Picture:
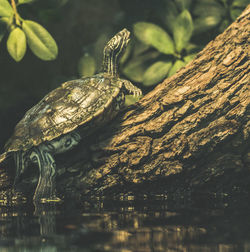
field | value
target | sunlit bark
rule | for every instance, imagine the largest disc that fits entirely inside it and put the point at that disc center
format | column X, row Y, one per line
column 194, row 124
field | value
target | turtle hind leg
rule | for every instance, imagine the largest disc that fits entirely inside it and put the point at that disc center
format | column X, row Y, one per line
column 45, row 190
column 19, row 158
column 42, row 155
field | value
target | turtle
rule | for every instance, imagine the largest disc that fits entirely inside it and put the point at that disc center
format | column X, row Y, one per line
column 66, row 115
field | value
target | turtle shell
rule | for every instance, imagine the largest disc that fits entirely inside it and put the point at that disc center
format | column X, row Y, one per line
column 94, row 100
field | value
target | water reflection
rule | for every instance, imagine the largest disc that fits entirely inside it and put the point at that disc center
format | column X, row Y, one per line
column 206, row 223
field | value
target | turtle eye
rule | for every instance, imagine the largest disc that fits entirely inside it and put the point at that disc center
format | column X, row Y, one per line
column 50, row 146
column 68, row 143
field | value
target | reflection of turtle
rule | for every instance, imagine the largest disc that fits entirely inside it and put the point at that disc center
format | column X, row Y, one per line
column 67, row 114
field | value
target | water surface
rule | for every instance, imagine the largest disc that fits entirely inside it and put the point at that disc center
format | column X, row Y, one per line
column 208, row 222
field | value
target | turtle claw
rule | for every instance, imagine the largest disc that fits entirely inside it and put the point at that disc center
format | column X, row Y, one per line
column 45, row 193
column 136, row 92
column 132, row 89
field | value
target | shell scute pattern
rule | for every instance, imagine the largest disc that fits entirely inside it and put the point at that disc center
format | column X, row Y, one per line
column 63, row 110
column 68, row 114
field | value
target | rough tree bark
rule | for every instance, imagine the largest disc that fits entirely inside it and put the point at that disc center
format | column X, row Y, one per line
column 191, row 131
column 194, row 124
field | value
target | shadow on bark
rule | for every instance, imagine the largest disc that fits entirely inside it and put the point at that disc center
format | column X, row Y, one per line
column 190, row 133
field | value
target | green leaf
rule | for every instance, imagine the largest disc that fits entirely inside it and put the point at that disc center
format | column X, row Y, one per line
column 234, row 13
column 176, row 66
column 25, row 1
column 156, row 72
column 40, row 41
column 131, row 99
column 225, row 3
column 136, row 67
column 139, row 47
column 5, row 9
column 209, row 8
column 240, row 3
column 183, row 30
column 189, row 57
column 204, row 24
column 16, row 44
column 183, row 4
column 192, row 48
column 224, row 24
column 5, row 20
column 134, row 70
column 86, row 65
column 169, row 14
column 153, row 35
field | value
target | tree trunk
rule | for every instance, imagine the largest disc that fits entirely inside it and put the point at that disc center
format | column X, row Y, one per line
column 194, row 124
column 191, row 131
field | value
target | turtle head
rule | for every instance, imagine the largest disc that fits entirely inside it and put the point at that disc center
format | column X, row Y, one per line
column 113, row 50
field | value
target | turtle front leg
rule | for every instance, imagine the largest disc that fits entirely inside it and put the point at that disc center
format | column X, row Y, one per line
column 131, row 88
column 46, row 188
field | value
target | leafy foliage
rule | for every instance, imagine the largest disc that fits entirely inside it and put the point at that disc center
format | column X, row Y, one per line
column 183, row 29
column 22, row 32
column 177, row 44
column 156, row 72
column 16, row 44
column 171, row 58
column 216, row 13
column 25, row 1
column 39, row 40
column 155, row 36
column 159, row 50
column 5, row 9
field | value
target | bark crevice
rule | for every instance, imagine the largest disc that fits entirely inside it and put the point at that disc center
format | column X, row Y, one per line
column 191, row 131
